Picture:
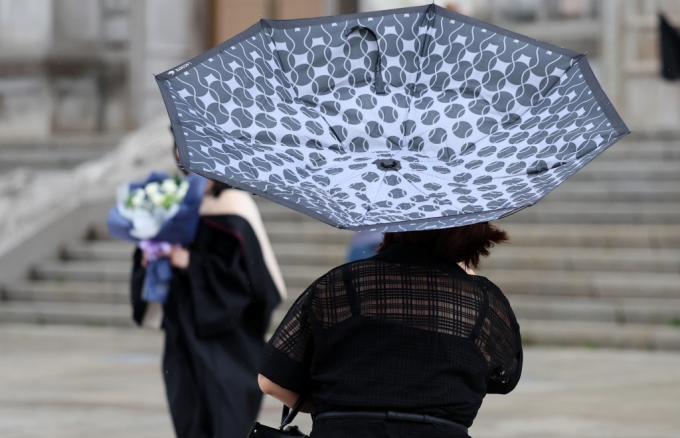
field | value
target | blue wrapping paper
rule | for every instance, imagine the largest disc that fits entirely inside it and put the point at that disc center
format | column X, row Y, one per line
column 180, row 229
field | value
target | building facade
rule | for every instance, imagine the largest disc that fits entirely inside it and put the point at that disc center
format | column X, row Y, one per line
column 85, row 67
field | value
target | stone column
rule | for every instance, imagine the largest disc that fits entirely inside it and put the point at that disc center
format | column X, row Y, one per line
column 164, row 34
column 26, row 28
column 611, row 67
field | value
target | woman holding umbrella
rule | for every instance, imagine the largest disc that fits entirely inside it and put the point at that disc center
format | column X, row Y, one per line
column 406, row 343
column 423, row 124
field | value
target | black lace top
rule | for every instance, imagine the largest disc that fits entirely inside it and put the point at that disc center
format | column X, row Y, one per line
column 400, row 331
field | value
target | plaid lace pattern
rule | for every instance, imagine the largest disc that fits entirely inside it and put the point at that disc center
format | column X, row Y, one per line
column 399, row 331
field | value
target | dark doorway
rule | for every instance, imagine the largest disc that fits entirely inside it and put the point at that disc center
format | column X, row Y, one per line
column 348, row 6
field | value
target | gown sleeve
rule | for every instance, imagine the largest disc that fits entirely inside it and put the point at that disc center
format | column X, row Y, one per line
column 286, row 358
column 136, row 287
column 500, row 342
column 219, row 284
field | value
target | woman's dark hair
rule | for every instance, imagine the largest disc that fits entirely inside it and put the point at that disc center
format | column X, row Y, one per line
column 217, row 188
column 459, row 245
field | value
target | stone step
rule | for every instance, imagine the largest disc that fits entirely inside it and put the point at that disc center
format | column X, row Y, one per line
column 517, row 257
column 314, row 232
column 117, row 315
column 616, row 191
column 278, row 231
column 286, row 253
column 650, row 150
column 97, row 232
column 585, row 284
column 310, row 254
column 301, row 276
column 614, row 213
column 624, row 310
column 121, row 253
column 67, row 291
column 99, row 250
column 89, row 271
column 599, row 335
column 547, row 258
column 588, row 235
column 116, row 271
column 572, row 235
column 629, row 170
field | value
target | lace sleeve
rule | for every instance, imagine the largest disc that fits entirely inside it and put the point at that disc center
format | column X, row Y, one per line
column 500, row 342
column 286, row 358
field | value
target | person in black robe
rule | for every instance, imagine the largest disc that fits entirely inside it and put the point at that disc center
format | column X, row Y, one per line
column 225, row 286
column 669, row 49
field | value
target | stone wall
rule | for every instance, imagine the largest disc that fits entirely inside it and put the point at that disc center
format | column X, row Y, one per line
column 86, row 66
column 631, row 68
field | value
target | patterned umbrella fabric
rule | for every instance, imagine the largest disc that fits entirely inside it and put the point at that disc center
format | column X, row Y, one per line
column 398, row 120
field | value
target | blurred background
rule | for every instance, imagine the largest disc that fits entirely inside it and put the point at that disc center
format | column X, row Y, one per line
column 593, row 271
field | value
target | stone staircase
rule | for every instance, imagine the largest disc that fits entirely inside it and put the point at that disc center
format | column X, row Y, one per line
column 596, row 263
column 85, row 283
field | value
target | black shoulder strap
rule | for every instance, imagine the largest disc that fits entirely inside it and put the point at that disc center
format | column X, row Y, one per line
column 288, row 415
column 349, row 290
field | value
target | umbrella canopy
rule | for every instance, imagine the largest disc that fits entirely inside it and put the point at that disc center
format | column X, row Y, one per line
column 398, row 120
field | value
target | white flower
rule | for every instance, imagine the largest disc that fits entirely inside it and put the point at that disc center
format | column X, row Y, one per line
column 182, row 190
column 169, row 186
column 152, row 188
column 157, row 199
column 138, row 198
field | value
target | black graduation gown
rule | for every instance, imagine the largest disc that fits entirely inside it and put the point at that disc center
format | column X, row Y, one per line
column 669, row 50
column 215, row 319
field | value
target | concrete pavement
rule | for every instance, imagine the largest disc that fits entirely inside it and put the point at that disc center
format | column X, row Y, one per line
column 61, row 381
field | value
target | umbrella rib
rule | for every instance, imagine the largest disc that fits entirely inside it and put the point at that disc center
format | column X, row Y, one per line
column 369, row 209
column 414, row 186
column 438, row 177
column 347, row 179
column 430, row 22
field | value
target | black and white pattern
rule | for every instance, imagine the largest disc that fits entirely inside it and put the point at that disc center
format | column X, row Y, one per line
column 408, row 119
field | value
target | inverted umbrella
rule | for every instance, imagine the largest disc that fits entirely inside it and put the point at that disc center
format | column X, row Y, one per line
column 407, row 119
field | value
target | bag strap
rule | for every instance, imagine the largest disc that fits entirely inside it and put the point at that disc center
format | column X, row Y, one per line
column 288, row 415
column 354, row 307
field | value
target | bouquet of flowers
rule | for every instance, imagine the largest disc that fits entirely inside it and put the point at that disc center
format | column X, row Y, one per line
column 157, row 214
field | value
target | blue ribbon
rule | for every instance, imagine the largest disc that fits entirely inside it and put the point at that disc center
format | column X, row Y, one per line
column 157, row 280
